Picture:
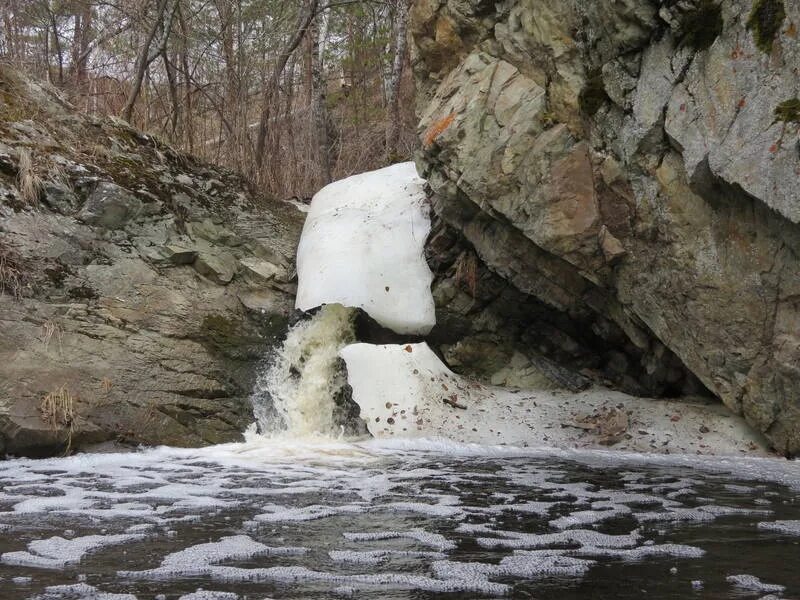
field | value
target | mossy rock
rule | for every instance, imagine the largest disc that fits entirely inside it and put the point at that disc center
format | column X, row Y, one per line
column 788, row 111
column 765, row 22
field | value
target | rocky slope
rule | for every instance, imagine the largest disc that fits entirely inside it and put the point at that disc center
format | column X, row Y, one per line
column 139, row 288
column 615, row 187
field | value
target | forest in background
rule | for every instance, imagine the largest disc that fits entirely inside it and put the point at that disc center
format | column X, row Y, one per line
column 291, row 93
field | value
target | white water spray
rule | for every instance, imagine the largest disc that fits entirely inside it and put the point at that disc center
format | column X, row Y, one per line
column 296, row 393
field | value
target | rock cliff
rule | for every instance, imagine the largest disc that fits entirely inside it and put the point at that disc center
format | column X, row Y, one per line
column 139, row 288
column 615, row 185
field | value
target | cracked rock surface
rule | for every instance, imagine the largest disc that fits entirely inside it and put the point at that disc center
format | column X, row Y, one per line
column 140, row 288
column 615, row 187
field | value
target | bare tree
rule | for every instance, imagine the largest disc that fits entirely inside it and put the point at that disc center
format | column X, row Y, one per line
column 319, row 106
column 162, row 24
column 292, row 93
column 271, row 86
column 394, row 124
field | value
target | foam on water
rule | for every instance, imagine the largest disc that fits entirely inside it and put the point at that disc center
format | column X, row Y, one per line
column 791, row 527
column 432, row 517
column 57, row 552
column 209, row 595
column 374, row 557
column 79, row 591
column 433, row 540
column 752, row 583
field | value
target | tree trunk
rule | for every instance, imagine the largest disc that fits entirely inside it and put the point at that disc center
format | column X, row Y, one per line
column 319, row 105
column 271, row 85
column 81, row 49
column 188, row 125
column 162, row 22
column 57, row 44
column 393, row 93
column 173, row 95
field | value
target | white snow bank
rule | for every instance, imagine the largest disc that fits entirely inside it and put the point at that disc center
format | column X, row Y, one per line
column 406, row 391
column 362, row 246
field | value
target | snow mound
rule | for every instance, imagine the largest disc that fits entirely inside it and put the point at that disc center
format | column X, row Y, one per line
column 362, row 246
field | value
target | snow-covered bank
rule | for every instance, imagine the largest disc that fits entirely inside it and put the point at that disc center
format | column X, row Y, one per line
column 406, row 391
column 362, row 247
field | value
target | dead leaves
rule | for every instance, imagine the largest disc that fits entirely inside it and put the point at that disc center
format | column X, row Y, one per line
column 610, row 424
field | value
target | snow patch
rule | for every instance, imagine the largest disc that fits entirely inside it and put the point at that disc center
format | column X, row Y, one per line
column 362, row 246
column 407, row 391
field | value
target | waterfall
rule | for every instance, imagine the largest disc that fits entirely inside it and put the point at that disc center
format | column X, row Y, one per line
column 297, row 390
column 361, row 247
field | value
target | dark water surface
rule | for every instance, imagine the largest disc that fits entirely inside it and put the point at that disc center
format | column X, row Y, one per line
column 336, row 520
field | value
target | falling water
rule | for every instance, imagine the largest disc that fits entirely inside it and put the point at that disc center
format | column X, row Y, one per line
column 296, row 393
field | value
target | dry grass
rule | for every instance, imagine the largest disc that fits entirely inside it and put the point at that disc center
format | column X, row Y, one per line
column 58, row 174
column 57, row 409
column 51, row 329
column 28, row 181
column 11, row 279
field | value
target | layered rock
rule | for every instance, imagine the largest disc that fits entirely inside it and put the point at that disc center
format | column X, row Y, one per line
column 140, row 288
column 625, row 172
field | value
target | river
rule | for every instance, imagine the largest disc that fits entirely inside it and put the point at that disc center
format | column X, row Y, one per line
column 321, row 518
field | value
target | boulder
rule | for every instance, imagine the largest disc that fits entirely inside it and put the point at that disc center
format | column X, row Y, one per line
column 109, row 206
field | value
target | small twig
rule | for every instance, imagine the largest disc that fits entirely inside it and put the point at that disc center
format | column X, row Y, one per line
column 453, row 401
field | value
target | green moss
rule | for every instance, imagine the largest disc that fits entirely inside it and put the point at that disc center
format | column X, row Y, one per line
column 788, row 111
column 765, row 22
column 702, row 25
column 593, row 95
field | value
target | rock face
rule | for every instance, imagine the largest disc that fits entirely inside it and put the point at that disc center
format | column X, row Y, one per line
column 615, row 187
column 139, row 288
